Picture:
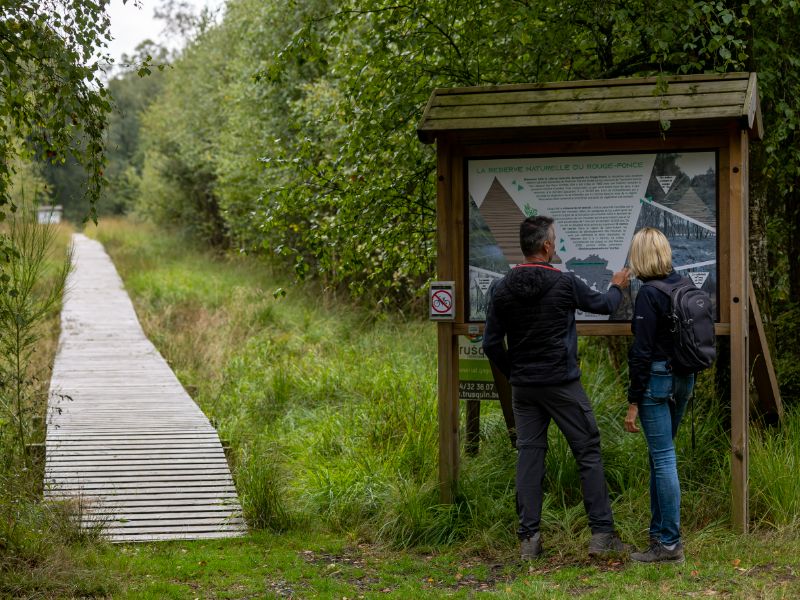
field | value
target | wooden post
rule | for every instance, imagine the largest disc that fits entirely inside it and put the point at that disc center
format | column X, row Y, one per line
column 448, row 413
column 740, row 380
column 473, row 437
column 447, row 341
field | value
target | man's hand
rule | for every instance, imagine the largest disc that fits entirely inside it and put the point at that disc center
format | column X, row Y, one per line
column 621, row 278
column 630, row 418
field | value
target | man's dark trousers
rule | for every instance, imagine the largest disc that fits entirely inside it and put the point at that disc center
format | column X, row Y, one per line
column 567, row 405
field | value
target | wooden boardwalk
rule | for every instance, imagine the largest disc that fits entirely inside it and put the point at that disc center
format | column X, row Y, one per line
column 123, row 436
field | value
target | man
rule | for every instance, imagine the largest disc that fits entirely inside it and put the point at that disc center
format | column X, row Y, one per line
column 533, row 309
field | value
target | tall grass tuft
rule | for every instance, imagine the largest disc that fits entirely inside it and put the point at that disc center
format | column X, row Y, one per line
column 774, row 465
column 261, row 482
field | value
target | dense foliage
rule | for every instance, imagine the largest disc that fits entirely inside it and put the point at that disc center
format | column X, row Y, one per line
column 52, row 104
column 289, row 129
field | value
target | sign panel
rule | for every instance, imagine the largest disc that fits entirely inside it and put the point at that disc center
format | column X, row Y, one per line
column 442, row 306
column 475, row 380
column 598, row 203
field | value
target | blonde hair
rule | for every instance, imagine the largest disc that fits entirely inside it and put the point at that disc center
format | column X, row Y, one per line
column 651, row 254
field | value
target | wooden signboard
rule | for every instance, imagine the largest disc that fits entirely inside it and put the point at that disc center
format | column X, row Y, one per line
column 604, row 158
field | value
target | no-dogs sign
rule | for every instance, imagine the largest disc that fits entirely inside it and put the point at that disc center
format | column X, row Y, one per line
column 442, row 301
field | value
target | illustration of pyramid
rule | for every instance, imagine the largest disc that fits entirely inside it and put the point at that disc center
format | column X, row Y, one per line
column 503, row 217
column 690, row 204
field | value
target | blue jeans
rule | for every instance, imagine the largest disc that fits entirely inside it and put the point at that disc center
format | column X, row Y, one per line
column 660, row 413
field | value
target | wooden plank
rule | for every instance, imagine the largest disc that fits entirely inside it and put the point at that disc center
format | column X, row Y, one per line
column 198, row 535
column 164, row 506
column 584, row 328
column 141, row 475
column 56, row 467
column 67, row 438
column 163, row 499
column 146, row 488
column 480, row 146
column 164, row 529
column 129, row 537
column 545, row 107
column 185, row 452
column 104, row 461
column 703, row 79
column 118, row 444
column 179, row 512
column 752, row 108
column 189, row 520
column 110, row 436
column 68, row 459
column 641, row 116
column 593, row 93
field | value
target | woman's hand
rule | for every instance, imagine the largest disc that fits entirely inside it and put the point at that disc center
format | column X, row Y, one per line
column 630, row 418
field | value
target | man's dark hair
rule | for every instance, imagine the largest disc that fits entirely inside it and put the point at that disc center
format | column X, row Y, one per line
column 532, row 234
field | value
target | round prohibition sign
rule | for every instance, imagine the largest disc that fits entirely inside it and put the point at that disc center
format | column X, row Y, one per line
column 441, row 301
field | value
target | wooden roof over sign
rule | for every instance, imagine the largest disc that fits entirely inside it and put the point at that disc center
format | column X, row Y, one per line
column 677, row 99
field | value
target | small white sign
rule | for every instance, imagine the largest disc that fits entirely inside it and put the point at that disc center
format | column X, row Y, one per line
column 698, row 277
column 442, row 301
column 483, row 283
column 665, row 181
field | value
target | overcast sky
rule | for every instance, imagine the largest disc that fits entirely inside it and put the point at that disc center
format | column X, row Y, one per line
column 130, row 24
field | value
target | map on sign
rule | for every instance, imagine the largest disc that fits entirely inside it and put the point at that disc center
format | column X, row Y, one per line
column 598, row 203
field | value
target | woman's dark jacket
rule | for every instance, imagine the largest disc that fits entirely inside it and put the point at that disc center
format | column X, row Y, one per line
column 652, row 340
column 533, row 307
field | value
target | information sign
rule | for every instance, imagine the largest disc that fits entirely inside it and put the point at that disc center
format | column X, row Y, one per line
column 475, row 380
column 598, row 203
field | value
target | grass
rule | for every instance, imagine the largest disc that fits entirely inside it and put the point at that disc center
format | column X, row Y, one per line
column 300, row 564
column 330, row 412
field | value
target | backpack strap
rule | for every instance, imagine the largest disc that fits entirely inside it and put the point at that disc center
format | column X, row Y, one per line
column 668, row 288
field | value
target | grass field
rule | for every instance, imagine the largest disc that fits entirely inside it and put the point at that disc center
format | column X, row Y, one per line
column 330, row 413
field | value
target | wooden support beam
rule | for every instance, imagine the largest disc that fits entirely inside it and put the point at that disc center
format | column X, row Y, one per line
column 766, row 384
column 473, row 437
column 738, row 307
column 448, row 413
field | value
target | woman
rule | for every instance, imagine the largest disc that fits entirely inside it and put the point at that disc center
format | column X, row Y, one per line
column 657, row 395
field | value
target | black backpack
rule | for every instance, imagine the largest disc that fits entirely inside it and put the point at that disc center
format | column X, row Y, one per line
column 692, row 325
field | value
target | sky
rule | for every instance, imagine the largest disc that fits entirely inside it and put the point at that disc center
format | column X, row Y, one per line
column 130, row 24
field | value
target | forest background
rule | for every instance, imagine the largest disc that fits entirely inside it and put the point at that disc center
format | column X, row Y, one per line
column 286, row 131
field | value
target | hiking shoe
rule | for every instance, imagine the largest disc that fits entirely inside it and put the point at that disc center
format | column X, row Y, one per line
column 658, row 552
column 531, row 547
column 607, row 543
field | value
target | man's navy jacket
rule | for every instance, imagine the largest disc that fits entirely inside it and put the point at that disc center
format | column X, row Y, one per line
column 533, row 308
